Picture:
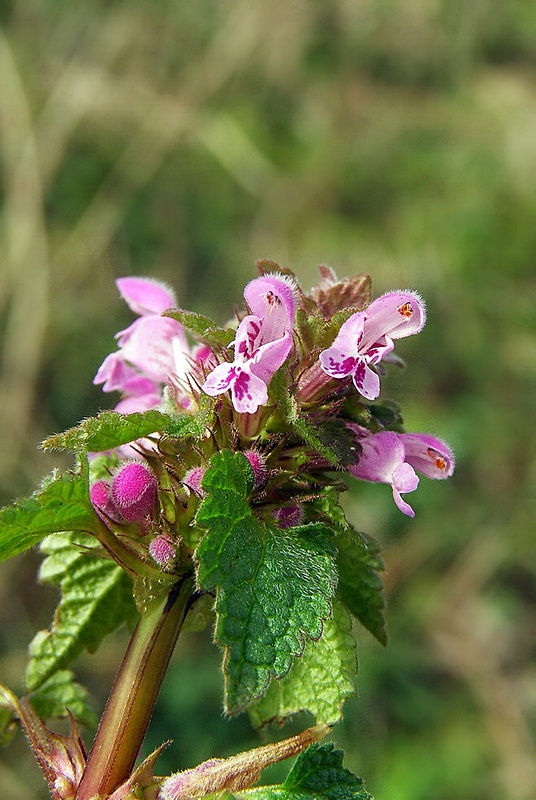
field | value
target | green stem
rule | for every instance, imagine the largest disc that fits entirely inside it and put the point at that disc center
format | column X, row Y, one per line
column 130, row 705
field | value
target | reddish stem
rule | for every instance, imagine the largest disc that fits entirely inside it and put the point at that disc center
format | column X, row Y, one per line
column 131, row 702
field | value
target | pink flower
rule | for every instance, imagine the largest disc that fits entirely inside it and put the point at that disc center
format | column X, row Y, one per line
column 367, row 337
column 262, row 344
column 392, row 458
column 151, row 350
column 258, row 465
column 145, row 295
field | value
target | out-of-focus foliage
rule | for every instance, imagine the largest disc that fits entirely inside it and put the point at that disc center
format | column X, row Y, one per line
column 185, row 140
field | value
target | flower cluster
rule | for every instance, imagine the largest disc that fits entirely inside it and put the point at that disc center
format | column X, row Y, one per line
column 292, row 391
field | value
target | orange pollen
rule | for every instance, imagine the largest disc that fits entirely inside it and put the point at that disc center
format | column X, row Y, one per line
column 405, row 310
column 439, row 460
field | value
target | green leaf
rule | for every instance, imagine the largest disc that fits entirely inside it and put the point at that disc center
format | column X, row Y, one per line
column 96, row 599
column 319, row 771
column 59, row 694
column 274, row 587
column 377, row 417
column 319, row 681
column 108, row 430
column 359, row 565
column 183, row 426
column 313, row 434
column 360, row 586
column 203, row 327
column 8, row 726
column 387, row 415
column 63, row 505
column 340, row 440
column 310, row 329
column 318, row 774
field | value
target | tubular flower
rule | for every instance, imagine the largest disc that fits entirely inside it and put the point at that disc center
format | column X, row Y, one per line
column 392, row 458
column 150, row 350
column 367, row 337
column 263, row 342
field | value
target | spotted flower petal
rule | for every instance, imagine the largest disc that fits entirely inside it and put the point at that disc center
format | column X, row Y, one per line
column 248, row 391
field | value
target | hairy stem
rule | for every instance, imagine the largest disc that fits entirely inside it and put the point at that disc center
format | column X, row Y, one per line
column 130, row 705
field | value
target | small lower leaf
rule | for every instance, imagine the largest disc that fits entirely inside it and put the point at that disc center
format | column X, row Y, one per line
column 318, row 774
column 61, row 694
column 62, row 505
column 96, row 599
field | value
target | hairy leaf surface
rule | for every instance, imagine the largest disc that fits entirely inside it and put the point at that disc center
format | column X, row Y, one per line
column 62, row 505
column 273, row 587
column 360, row 586
column 96, row 599
column 203, row 327
column 184, row 426
column 314, row 436
column 319, row 681
column 108, row 430
column 61, row 693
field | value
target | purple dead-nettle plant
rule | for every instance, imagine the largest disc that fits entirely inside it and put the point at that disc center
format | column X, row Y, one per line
column 212, row 491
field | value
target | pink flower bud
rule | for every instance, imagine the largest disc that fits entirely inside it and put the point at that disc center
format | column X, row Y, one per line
column 288, row 517
column 100, row 494
column 134, row 491
column 162, row 551
column 258, row 465
column 193, row 479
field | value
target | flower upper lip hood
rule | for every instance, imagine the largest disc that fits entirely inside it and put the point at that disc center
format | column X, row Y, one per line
column 262, row 344
column 151, row 349
column 146, row 296
column 273, row 299
column 367, row 337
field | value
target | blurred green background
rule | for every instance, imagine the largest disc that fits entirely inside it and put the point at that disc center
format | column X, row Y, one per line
column 185, row 139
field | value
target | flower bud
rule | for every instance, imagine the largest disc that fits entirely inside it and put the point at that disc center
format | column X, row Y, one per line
column 162, row 551
column 193, row 479
column 134, row 491
column 258, row 465
column 288, row 517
